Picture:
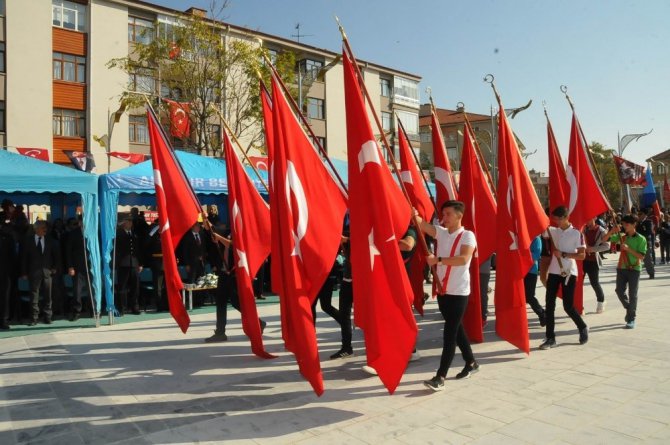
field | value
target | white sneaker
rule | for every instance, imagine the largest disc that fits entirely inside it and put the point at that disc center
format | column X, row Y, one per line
column 415, row 356
column 600, row 308
column 370, row 370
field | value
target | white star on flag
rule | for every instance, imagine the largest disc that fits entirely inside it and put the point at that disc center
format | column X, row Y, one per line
column 242, row 261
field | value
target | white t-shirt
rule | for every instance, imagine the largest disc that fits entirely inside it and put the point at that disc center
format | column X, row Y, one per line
column 459, row 277
column 568, row 241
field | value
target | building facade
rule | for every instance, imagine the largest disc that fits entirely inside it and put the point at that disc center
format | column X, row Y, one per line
column 57, row 91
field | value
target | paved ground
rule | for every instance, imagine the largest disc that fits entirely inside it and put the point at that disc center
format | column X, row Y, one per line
column 146, row 383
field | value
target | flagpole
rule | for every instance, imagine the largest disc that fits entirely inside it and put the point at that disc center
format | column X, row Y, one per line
column 303, row 119
column 479, row 152
column 420, row 233
column 237, row 142
column 418, row 164
column 564, row 90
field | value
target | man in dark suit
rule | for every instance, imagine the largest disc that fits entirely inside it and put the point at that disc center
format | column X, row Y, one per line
column 7, row 271
column 193, row 253
column 128, row 267
column 154, row 259
column 77, row 267
column 40, row 262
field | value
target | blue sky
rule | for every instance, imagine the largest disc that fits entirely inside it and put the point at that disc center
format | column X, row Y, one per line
column 612, row 55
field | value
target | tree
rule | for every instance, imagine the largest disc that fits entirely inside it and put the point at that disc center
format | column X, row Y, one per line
column 197, row 61
column 604, row 164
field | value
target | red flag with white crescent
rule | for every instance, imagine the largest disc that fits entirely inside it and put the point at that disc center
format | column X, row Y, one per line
column 180, row 123
column 520, row 219
column 133, row 158
column 559, row 189
column 178, row 210
column 379, row 216
column 250, row 226
column 445, row 185
column 38, row 153
column 307, row 214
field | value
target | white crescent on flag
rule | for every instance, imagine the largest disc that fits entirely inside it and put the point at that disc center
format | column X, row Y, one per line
column 406, row 177
column 369, row 153
column 443, row 177
column 510, row 198
column 33, row 153
column 294, row 185
column 574, row 188
column 158, row 181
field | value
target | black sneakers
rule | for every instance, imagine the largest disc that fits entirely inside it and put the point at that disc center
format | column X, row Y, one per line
column 436, row 383
column 468, row 370
column 216, row 338
column 263, row 324
column 342, row 353
column 548, row 344
column 584, row 335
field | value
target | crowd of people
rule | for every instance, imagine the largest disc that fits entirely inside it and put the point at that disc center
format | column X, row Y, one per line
column 44, row 252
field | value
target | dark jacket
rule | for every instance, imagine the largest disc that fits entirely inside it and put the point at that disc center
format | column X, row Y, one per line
column 75, row 251
column 38, row 264
column 127, row 249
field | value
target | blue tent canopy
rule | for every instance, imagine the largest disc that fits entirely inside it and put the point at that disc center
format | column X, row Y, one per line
column 134, row 185
column 33, row 181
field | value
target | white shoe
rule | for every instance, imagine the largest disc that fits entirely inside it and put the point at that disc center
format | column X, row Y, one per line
column 600, row 308
column 415, row 356
column 370, row 370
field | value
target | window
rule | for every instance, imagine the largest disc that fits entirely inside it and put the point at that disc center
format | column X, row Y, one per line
column 140, row 30
column 320, row 140
column 310, row 68
column 405, row 91
column 2, row 57
column 387, row 121
column 68, row 15
column 660, row 169
column 69, row 68
column 385, row 86
column 138, row 131
column 69, row 123
column 167, row 28
column 2, row 116
column 410, row 121
column 314, row 108
column 168, row 92
column 142, row 81
column 2, row 7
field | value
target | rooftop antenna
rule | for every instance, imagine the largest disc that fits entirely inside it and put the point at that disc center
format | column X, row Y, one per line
column 297, row 35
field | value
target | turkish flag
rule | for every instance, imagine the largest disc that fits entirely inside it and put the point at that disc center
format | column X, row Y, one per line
column 260, row 162
column 587, row 200
column 480, row 210
column 379, row 216
column 180, row 124
column 418, row 195
column 445, row 186
column 178, row 210
column 133, row 158
column 250, row 224
column 559, row 189
column 520, row 219
column 307, row 210
column 38, row 153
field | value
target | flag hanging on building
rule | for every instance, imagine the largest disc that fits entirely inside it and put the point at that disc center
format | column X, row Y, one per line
column 629, row 172
column 38, row 153
column 83, row 161
column 587, row 199
column 520, row 219
column 412, row 178
column 133, row 158
column 180, row 122
column 307, row 214
column 445, row 185
column 250, row 226
column 379, row 216
column 178, row 210
column 559, row 188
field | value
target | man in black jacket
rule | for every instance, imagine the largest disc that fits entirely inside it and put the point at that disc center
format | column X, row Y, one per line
column 7, row 271
column 128, row 267
column 193, row 254
column 77, row 267
column 40, row 261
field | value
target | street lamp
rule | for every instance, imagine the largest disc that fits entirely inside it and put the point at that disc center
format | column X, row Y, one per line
column 621, row 146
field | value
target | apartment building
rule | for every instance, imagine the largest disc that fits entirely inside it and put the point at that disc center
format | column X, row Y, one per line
column 57, row 92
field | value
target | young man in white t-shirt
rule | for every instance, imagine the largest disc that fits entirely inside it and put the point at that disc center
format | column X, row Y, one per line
column 455, row 247
column 567, row 247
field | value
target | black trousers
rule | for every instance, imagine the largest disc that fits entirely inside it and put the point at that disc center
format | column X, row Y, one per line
column 226, row 291
column 41, row 285
column 665, row 250
column 529, row 284
column 592, row 270
column 325, row 297
column 346, row 303
column 553, row 282
column 453, row 308
column 80, row 289
column 128, row 282
column 5, row 293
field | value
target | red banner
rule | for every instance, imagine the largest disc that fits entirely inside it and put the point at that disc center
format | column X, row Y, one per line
column 37, row 153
